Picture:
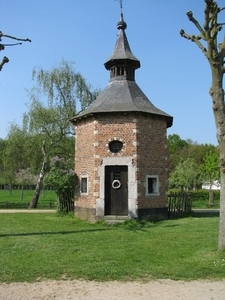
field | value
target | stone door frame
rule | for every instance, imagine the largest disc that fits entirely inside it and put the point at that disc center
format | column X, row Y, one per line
column 132, row 184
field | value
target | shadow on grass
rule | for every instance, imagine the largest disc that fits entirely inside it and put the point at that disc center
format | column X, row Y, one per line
column 50, row 233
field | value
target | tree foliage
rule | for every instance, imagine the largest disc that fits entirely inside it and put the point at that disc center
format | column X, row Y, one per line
column 185, row 176
column 53, row 102
column 64, row 180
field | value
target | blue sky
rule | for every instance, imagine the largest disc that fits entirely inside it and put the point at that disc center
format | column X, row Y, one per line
column 174, row 74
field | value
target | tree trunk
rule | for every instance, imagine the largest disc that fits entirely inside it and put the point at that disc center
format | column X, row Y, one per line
column 211, row 197
column 34, row 201
column 217, row 94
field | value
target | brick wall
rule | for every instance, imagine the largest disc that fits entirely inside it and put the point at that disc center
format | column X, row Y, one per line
column 152, row 159
column 144, row 139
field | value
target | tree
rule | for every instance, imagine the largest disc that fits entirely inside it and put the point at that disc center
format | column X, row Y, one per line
column 185, row 176
column 64, row 180
column 211, row 171
column 2, row 46
column 175, row 146
column 214, row 52
column 63, row 90
column 24, row 177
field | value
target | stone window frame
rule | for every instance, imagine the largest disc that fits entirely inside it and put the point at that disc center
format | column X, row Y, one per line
column 82, row 192
column 155, row 182
column 114, row 139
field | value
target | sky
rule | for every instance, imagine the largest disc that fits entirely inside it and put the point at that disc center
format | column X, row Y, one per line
column 174, row 73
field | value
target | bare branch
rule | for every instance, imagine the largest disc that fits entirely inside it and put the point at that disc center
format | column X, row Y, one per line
column 195, row 39
column 15, row 44
column 13, row 37
column 4, row 61
column 193, row 20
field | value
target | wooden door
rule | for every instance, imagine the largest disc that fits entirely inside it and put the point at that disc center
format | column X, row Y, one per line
column 116, row 190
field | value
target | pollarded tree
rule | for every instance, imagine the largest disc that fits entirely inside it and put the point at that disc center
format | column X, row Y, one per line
column 206, row 40
column 2, row 46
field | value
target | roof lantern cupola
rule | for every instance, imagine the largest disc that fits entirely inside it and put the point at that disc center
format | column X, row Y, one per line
column 122, row 64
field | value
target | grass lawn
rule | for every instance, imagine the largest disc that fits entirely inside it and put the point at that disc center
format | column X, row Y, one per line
column 46, row 200
column 204, row 204
column 47, row 246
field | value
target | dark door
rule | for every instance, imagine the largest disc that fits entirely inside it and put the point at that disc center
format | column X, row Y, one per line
column 116, row 190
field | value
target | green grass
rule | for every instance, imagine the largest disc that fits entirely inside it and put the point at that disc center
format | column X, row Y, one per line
column 204, row 204
column 14, row 200
column 46, row 246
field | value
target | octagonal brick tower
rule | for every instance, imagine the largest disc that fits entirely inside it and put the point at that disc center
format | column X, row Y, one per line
column 120, row 148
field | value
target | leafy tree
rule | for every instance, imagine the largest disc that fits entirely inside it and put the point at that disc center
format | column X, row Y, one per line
column 63, row 90
column 25, row 177
column 175, row 147
column 62, row 177
column 20, row 152
column 180, row 150
column 211, row 171
column 175, row 143
column 185, row 176
column 207, row 41
column 197, row 151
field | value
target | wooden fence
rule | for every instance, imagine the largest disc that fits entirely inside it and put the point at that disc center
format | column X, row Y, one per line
column 66, row 201
column 180, row 205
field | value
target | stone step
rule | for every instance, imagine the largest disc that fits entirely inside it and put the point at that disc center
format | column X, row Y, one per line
column 111, row 219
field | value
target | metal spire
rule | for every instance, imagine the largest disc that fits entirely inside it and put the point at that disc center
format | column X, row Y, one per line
column 121, row 5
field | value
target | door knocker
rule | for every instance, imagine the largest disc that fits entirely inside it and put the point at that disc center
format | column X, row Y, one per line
column 116, row 184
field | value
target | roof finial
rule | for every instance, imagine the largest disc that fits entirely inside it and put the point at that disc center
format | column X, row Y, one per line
column 121, row 24
column 121, row 5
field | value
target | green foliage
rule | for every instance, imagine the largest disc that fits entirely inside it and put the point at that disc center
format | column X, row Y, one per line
column 63, row 90
column 25, row 177
column 210, row 170
column 175, row 147
column 200, row 198
column 175, row 143
column 190, row 163
column 61, row 176
column 203, row 195
column 185, row 175
column 69, row 248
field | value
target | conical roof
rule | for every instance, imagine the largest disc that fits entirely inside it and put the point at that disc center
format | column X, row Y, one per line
column 122, row 94
column 122, row 49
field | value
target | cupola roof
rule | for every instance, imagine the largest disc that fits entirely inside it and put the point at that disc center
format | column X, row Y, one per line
column 122, row 49
column 122, row 94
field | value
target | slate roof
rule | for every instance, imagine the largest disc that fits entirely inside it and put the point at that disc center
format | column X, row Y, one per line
column 122, row 49
column 121, row 94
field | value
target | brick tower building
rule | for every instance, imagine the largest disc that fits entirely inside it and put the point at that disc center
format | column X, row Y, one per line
column 121, row 146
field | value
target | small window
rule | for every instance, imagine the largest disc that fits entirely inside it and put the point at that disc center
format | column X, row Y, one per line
column 115, row 146
column 152, row 185
column 84, row 185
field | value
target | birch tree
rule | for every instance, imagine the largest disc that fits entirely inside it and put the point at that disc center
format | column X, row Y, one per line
column 214, row 51
column 54, row 101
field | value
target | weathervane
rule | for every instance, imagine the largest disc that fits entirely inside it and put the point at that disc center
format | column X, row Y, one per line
column 121, row 5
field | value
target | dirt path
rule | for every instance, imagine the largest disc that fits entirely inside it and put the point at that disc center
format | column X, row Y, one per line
column 90, row 290
column 12, row 211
